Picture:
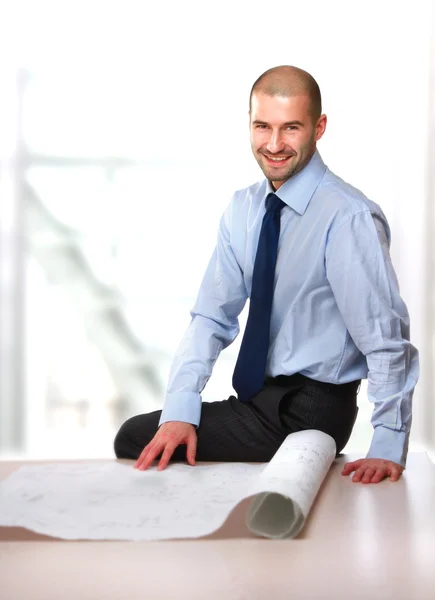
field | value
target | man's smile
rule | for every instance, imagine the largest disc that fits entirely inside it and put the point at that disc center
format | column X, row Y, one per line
column 276, row 160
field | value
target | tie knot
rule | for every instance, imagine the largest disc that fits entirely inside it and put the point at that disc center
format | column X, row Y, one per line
column 273, row 203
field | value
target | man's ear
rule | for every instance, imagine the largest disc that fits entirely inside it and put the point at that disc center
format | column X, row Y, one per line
column 321, row 127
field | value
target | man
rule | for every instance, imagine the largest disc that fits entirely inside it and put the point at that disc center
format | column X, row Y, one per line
column 312, row 254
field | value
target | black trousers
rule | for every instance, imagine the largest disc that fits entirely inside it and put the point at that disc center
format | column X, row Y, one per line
column 234, row 431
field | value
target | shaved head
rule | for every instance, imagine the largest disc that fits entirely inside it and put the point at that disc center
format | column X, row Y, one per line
column 289, row 81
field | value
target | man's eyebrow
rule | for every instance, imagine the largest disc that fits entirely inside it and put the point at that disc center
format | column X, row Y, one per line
column 294, row 123
column 257, row 122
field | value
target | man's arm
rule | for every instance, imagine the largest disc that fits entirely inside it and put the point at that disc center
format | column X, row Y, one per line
column 214, row 325
column 366, row 289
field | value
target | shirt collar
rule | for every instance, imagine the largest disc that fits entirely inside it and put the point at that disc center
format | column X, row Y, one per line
column 297, row 191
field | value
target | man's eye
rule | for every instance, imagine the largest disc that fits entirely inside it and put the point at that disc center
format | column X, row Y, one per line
column 291, row 127
column 261, row 126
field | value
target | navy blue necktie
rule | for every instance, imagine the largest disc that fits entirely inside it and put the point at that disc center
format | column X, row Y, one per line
column 250, row 369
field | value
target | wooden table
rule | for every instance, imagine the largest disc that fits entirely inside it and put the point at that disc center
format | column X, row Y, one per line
column 365, row 542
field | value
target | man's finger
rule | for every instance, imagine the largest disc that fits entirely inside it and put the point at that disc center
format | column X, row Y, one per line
column 395, row 474
column 351, row 466
column 358, row 474
column 191, row 449
column 143, row 455
column 379, row 475
column 369, row 472
column 168, row 452
column 151, row 456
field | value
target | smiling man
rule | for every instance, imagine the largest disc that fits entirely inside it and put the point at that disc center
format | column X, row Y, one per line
column 311, row 253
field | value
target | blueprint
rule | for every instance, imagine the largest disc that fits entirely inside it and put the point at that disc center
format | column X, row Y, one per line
column 113, row 501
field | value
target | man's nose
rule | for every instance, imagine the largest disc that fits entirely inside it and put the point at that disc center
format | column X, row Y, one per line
column 275, row 143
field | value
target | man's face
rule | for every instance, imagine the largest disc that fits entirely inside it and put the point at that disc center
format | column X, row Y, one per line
column 283, row 135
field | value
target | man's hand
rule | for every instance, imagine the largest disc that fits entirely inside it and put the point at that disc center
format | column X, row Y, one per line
column 168, row 437
column 373, row 470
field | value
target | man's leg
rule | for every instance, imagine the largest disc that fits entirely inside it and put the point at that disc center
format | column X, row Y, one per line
column 252, row 432
column 229, row 431
column 326, row 407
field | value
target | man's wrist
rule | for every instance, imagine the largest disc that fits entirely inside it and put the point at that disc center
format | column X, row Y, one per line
column 389, row 444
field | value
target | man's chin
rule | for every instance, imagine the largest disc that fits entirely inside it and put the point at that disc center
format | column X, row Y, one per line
column 275, row 175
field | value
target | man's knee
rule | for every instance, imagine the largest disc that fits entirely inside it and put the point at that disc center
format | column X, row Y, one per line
column 122, row 443
column 133, row 435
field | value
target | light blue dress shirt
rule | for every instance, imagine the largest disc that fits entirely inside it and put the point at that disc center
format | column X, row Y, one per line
column 337, row 313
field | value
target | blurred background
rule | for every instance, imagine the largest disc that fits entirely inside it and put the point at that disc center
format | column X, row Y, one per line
column 123, row 134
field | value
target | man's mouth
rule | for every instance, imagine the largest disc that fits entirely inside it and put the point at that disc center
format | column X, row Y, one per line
column 276, row 160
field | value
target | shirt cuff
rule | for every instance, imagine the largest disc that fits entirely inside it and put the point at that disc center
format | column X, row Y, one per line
column 184, row 406
column 389, row 444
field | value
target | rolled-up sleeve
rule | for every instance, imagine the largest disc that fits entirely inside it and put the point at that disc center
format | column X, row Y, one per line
column 366, row 289
column 214, row 325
